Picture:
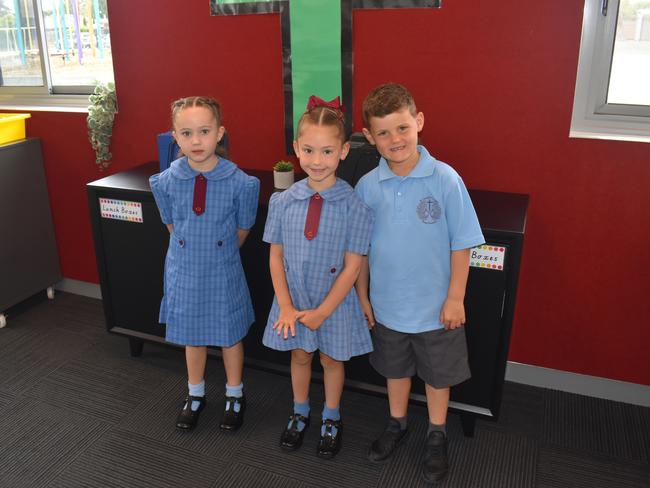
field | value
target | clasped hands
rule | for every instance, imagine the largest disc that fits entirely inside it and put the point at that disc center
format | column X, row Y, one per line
column 286, row 324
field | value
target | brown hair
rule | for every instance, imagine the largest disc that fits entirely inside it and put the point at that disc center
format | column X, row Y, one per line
column 206, row 102
column 387, row 99
column 323, row 116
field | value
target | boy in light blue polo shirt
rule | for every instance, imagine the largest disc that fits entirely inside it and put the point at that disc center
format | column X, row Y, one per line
column 425, row 225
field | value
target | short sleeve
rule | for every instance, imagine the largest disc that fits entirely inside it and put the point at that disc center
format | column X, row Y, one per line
column 273, row 227
column 462, row 222
column 158, row 186
column 360, row 221
column 247, row 199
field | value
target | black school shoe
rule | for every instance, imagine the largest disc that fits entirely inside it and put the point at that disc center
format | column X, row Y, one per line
column 382, row 448
column 231, row 419
column 329, row 445
column 188, row 418
column 435, row 463
column 291, row 438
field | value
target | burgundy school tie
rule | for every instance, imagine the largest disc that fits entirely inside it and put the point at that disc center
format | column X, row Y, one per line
column 313, row 216
column 200, row 187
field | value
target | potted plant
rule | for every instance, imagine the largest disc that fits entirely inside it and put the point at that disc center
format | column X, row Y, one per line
column 283, row 175
column 101, row 113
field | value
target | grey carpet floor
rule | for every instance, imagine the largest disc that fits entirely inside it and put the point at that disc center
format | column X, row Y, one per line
column 77, row 411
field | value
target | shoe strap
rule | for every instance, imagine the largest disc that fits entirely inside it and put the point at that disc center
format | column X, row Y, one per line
column 187, row 403
column 329, row 425
column 294, row 418
column 231, row 401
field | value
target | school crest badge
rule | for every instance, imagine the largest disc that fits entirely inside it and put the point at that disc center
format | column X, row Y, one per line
column 429, row 210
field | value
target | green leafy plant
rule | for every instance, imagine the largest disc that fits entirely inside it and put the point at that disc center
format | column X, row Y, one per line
column 283, row 166
column 101, row 113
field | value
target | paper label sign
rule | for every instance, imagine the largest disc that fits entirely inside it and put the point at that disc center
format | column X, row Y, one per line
column 487, row 256
column 120, row 210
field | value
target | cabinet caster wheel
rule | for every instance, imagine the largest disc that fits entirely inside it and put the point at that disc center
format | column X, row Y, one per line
column 3, row 320
column 50, row 292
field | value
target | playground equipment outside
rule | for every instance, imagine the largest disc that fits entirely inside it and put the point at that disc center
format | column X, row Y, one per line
column 76, row 36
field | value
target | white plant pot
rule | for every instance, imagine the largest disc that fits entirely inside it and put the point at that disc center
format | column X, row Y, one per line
column 282, row 179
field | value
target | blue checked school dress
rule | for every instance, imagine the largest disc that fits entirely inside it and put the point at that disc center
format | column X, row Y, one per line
column 312, row 266
column 206, row 300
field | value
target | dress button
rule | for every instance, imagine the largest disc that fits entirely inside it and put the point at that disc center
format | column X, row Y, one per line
column 333, row 270
column 181, row 242
column 220, row 243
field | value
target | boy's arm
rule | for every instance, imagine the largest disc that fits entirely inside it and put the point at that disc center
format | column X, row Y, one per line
column 361, row 286
column 242, row 234
column 170, row 227
column 287, row 319
column 314, row 318
column 452, row 314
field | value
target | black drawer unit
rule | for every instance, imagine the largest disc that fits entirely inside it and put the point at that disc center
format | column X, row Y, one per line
column 131, row 253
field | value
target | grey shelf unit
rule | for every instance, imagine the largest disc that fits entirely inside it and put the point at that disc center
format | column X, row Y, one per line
column 29, row 262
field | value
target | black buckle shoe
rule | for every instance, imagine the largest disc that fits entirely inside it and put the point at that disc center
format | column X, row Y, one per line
column 382, row 448
column 330, row 444
column 291, row 438
column 435, row 463
column 188, row 418
column 231, row 419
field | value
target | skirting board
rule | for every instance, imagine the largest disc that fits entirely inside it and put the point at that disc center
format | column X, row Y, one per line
column 554, row 379
column 77, row 287
column 582, row 384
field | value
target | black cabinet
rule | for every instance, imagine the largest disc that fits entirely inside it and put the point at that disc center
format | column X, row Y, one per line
column 29, row 262
column 130, row 259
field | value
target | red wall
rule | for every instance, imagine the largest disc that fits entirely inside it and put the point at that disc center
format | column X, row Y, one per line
column 495, row 81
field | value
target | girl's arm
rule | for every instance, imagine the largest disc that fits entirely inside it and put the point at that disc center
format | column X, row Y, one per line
column 170, row 227
column 314, row 318
column 287, row 319
column 452, row 314
column 362, row 291
column 242, row 234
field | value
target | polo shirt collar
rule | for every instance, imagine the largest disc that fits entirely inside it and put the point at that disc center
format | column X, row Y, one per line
column 425, row 166
column 181, row 169
column 302, row 191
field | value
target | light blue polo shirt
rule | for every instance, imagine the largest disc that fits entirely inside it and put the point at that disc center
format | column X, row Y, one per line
column 419, row 220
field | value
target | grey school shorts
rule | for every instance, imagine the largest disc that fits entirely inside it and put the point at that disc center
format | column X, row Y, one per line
column 438, row 357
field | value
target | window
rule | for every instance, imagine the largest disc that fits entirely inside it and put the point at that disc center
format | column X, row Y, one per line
column 53, row 53
column 612, row 96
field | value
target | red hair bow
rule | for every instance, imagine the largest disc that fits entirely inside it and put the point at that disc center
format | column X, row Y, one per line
column 315, row 101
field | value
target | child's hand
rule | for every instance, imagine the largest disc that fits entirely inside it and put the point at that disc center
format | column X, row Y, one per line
column 367, row 311
column 312, row 318
column 286, row 322
column 452, row 314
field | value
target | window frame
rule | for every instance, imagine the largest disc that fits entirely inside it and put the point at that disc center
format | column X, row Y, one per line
column 592, row 116
column 47, row 97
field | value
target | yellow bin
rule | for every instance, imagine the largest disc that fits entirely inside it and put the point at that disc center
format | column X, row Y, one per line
column 12, row 127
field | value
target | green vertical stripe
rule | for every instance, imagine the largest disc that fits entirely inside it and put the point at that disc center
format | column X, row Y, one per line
column 224, row 2
column 315, row 51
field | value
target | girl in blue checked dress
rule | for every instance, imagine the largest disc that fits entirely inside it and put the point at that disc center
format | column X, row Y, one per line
column 318, row 230
column 208, row 205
